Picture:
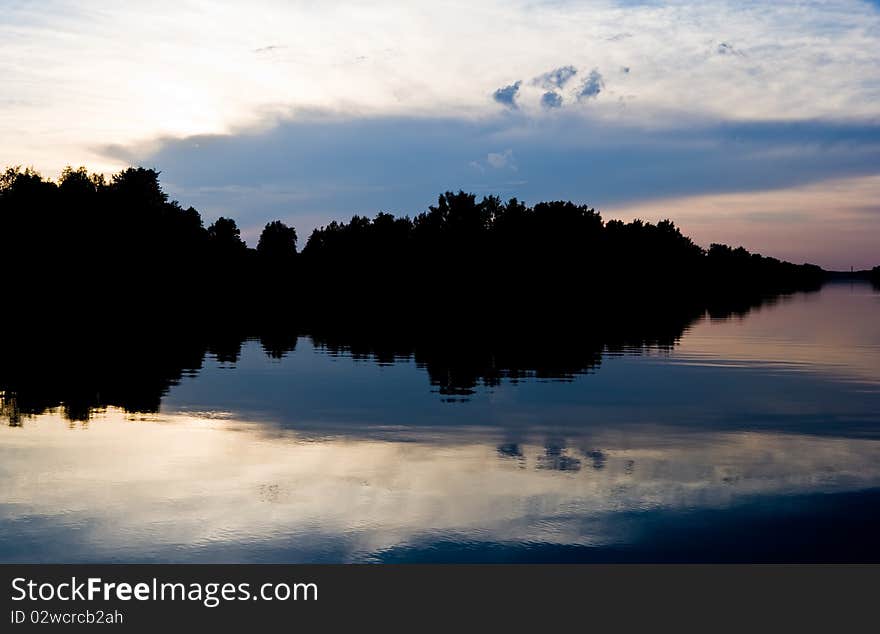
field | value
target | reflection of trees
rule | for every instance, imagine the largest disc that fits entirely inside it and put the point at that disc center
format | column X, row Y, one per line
column 9, row 409
column 487, row 350
column 277, row 344
column 131, row 371
column 85, row 370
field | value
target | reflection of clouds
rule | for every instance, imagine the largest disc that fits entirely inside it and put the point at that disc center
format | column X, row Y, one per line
column 556, row 458
column 510, row 450
column 183, row 488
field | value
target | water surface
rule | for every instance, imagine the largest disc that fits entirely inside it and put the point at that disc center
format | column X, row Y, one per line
column 747, row 438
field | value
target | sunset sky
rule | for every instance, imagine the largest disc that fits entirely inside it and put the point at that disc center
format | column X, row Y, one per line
column 754, row 123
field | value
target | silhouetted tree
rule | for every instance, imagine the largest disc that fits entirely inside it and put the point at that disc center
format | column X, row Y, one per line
column 77, row 182
column 277, row 241
column 225, row 236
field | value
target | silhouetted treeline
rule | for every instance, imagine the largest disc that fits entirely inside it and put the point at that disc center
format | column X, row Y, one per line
column 875, row 276
column 118, row 248
column 465, row 253
column 120, row 244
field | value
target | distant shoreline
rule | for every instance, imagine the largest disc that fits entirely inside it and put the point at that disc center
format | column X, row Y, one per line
column 866, row 275
column 119, row 244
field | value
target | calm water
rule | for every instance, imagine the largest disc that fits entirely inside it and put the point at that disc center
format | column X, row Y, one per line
column 753, row 438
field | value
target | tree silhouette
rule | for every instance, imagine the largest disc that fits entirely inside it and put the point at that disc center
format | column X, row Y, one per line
column 225, row 237
column 87, row 238
column 277, row 241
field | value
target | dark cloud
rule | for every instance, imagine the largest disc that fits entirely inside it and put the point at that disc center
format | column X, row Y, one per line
column 592, row 86
column 316, row 168
column 507, row 96
column 556, row 78
column 728, row 49
column 551, row 100
column 268, row 49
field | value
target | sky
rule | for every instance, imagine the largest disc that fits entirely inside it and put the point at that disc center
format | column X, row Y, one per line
column 753, row 123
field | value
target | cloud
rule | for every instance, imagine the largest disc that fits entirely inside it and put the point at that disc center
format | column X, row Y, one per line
column 311, row 169
column 178, row 82
column 728, row 49
column 268, row 49
column 794, row 223
column 500, row 160
column 551, row 100
column 592, row 86
column 507, row 96
column 556, row 78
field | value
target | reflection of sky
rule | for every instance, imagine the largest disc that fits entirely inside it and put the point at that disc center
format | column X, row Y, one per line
column 196, row 489
column 317, row 457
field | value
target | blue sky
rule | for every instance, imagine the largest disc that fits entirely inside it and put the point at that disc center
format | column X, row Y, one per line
column 746, row 122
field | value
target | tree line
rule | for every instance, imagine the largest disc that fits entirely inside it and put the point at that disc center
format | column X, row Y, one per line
column 84, row 239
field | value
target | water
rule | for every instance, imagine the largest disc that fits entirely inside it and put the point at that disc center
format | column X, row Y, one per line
column 750, row 438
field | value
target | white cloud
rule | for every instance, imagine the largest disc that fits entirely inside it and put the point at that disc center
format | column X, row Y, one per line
column 88, row 74
column 500, row 160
